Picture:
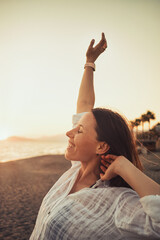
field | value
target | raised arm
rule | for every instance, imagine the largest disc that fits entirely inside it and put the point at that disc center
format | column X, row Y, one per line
column 86, row 97
column 119, row 165
column 140, row 218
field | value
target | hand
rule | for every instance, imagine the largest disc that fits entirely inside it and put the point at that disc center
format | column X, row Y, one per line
column 111, row 166
column 119, row 165
column 93, row 52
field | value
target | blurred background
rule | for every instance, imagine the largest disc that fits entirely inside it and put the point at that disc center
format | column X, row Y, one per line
column 42, row 55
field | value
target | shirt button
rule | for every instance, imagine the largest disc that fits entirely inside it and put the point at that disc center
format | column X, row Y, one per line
column 49, row 212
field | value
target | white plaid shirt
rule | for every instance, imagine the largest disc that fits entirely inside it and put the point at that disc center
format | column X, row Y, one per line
column 97, row 213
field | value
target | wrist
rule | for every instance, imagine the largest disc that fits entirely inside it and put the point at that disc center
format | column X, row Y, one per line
column 90, row 60
column 90, row 65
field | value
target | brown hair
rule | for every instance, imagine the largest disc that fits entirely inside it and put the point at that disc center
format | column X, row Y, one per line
column 114, row 130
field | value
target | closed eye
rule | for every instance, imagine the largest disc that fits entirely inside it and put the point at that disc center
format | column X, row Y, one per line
column 80, row 129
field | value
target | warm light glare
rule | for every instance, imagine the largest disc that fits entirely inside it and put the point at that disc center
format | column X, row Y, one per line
column 42, row 54
column 3, row 136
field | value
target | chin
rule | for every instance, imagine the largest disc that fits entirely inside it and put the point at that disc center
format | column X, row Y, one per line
column 70, row 157
column 67, row 156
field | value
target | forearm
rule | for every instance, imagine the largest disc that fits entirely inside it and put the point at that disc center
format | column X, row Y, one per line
column 86, row 97
column 141, row 183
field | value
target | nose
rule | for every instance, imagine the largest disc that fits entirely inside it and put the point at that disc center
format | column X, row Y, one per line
column 70, row 133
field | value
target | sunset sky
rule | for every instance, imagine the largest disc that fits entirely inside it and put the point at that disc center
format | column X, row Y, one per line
column 42, row 55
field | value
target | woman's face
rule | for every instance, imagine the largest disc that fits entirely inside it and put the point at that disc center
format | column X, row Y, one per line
column 82, row 143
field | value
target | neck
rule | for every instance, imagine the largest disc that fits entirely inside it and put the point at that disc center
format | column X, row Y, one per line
column 89, row 172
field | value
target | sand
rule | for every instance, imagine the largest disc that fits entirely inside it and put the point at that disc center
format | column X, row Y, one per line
column 24, row 183
column 151, row 165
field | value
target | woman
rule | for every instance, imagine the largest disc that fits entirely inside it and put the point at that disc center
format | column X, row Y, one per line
column 104, row 195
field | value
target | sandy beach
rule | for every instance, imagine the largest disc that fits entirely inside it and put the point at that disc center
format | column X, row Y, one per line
column 24, row 183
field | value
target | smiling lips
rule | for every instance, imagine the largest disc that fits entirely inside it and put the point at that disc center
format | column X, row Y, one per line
column 70, row 145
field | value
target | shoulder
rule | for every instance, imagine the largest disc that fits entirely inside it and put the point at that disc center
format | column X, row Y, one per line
column 105, row 196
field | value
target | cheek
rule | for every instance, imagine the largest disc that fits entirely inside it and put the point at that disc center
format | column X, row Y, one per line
column 86, row 145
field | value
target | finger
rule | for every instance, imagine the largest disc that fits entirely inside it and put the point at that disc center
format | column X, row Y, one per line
column 101, row 46
column 111, row 156
column 108, row 159
column 103, row 36
column 104, row 41
column 104, row 159
column 103, row 168
column 101, row 42
column 92, row 43
column 101, row 175
column 105, row 163
column 105, row 45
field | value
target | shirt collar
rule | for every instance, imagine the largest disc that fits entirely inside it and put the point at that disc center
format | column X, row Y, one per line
column 101, row 184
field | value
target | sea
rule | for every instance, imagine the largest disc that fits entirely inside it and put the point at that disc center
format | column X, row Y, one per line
column 15, row 150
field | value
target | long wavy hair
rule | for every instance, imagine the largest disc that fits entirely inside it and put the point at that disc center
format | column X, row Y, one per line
column 114, row 130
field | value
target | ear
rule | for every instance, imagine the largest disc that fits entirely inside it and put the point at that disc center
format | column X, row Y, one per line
column 102, row 148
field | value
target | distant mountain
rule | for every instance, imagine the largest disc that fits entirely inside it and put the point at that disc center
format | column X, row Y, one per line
column 16, row 138
column 54, row 138
column 57, row 138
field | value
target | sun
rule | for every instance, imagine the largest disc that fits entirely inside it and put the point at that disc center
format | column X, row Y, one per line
column 3, row 136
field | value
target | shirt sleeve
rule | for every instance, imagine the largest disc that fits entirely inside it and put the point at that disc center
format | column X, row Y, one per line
column 151, row 205
column 76, row 118
column 138, row 217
